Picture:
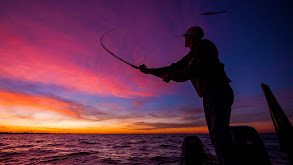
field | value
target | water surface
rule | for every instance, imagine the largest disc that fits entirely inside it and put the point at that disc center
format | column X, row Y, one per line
column 108, row 149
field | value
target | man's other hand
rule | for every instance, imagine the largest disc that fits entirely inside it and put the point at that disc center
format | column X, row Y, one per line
column 166, row 77
column 144, row 69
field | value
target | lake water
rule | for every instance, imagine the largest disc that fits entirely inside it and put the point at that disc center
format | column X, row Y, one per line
column 108, row 149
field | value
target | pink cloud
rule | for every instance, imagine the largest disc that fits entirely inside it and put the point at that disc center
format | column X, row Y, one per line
column 33, row 63
column 138, row 103
column 39, row 53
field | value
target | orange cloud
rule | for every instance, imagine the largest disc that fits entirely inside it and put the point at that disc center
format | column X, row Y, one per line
column 41, row 103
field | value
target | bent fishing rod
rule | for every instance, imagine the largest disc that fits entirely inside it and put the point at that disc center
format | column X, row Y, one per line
column 134, row 66
column 101, row 40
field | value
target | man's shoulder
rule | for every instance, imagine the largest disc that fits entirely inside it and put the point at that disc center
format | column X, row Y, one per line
column 208, row 48
column 206, row 42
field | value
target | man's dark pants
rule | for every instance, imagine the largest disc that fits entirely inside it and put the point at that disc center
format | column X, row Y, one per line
column 217, row 107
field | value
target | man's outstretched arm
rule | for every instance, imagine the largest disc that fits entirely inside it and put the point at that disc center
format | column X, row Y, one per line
column 159, row 72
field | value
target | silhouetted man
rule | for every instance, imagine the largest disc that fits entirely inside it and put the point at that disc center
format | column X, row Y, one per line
column 202, row 66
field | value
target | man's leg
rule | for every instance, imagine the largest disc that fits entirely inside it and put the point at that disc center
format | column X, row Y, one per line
column 217, row 107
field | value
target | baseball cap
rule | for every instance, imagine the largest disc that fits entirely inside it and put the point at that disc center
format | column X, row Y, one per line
column 194, row 31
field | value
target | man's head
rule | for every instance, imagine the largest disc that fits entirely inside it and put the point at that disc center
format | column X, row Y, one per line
column 193, row 35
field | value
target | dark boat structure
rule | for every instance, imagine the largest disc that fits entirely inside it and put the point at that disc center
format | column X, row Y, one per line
column 251, row 147
column 283, row 127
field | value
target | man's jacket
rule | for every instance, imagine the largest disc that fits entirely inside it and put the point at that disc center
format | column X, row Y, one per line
column 201, row 65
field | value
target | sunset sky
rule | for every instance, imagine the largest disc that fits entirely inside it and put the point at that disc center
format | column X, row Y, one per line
column 56, row 77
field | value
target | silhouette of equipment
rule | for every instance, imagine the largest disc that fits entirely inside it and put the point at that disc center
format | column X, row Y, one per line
column 282, row 125
column 193, row 151
column 252, row 149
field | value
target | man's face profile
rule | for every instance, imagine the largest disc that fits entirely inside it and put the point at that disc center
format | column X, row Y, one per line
column 187, row 41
